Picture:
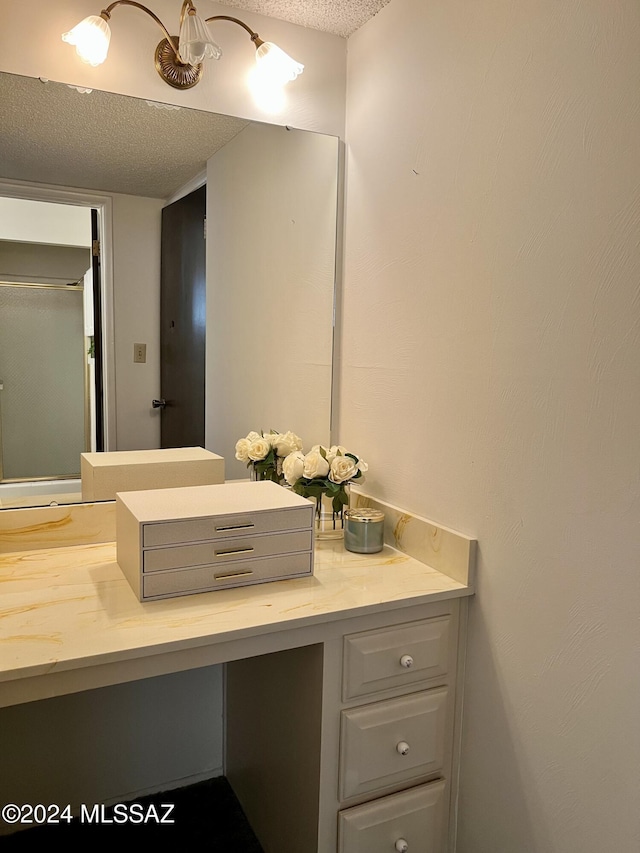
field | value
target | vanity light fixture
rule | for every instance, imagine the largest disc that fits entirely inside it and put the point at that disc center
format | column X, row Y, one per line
column 179, row 59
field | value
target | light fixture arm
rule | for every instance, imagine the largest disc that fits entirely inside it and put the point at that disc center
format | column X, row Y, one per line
column 255, row 38
column 187, row 9
column 106, row 15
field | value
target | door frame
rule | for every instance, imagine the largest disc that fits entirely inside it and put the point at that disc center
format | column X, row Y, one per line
column 104, row 205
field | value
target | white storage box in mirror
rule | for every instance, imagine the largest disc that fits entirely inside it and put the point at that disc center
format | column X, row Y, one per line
column 105, row 474
column 172, row 542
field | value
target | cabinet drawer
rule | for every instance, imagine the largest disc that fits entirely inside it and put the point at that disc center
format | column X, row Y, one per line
column 416, row 817
column 226, row 550
column 373, row 740
column 241, row 573
column 221, row 526
column 395, row 656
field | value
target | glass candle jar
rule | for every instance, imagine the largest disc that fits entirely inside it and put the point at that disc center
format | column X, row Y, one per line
column 363, row 530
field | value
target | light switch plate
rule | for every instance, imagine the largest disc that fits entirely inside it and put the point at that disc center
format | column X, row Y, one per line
column 139, row 353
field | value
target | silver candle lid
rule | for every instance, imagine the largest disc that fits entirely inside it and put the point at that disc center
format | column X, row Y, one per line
column 362, row 515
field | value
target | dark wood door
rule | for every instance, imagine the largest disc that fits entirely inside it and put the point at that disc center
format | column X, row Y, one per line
column 182, row 321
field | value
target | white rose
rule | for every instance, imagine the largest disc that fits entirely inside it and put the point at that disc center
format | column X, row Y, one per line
column 272, row 437
column 337, row 450
column 333, row 451
column 287, row 443
column 362, row 466
column 293, row 466
column 242, row 450
column 315, row 465
column 258, row 449
column 253, row 436
column 321, row 447
column 343, row 468
column 331, row 454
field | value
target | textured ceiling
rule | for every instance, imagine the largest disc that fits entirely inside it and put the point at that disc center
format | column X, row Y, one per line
column 49, row 135
column 341, row 17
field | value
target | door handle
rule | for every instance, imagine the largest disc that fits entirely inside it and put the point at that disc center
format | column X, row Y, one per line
column 158, row 404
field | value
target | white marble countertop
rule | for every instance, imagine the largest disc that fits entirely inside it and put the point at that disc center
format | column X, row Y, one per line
column 70, row 608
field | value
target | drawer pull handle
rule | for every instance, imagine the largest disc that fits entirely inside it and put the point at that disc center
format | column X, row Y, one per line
column 406, row 661
column 228, row 551
column 401, row 845
column 235, row 527
column 232, row 575
column 402, row 748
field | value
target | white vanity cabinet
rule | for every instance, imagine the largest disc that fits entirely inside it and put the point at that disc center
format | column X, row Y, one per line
column 342, row 690
column 365, row 759
column 401, row 744
column 412, row 820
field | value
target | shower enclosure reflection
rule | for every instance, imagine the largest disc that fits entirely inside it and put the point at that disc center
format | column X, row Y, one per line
column 46, row 329
column 43, row 370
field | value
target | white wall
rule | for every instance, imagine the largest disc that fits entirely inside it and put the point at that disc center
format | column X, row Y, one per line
column 136, row 295
column 39, row 222
column 41, row 263
column 271, row 239
column 490, row 376
column 314, row 102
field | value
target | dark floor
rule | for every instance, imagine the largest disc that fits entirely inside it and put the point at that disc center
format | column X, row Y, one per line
column 206, row 813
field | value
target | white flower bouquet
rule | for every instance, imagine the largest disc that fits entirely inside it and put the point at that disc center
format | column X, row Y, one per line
column 324, row 471
column 264, row 453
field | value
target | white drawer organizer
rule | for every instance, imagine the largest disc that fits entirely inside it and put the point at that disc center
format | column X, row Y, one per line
column 173, row 542
column 105, row 474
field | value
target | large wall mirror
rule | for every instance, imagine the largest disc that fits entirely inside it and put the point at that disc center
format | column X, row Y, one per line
column 271, row 220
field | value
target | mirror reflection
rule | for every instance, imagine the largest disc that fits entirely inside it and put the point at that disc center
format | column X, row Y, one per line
column 266, row 306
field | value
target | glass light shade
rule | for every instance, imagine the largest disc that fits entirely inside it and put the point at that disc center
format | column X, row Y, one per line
column 195, row 41
column 275, row 65
column 269, row 97
column 91, row 39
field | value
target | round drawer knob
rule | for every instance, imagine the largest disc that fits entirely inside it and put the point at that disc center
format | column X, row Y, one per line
column 402, row 748
column 401, row 845
column 406, row 661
